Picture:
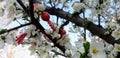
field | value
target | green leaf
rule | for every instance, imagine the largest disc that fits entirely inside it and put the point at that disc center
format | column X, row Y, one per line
column 81, row 55
column 3, row 31
column 86, row 46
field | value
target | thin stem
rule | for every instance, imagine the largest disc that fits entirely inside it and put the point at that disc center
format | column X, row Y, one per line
column 65, row 23
column 99, row 8
column 57, row 20
column 99, row 23
column 18, row 22
column 23, row 6
column 50, row 3
column 85, row 27
column 17, row 27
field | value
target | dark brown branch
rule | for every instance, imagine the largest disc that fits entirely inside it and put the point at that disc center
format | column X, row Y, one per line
column 93, row 28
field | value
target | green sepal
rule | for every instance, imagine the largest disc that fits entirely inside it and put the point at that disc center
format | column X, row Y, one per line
column 3, row 31
column 86, row 46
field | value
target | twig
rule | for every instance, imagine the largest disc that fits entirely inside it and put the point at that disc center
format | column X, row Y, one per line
column 17, row 27
column 23, row 6
column 65, row 23
column 18, row 22
column 99, row 23
column 57, row 20
column 85, row 27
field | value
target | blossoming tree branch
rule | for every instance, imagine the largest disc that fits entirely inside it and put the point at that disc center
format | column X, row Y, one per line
column 95, row 22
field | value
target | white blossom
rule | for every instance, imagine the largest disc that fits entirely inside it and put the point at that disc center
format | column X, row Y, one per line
column 2, row 4
column 75, row 54
column 63, row 1
column 117, row 47
column 32, row 39
column 2, row 8
column 2, row 44
column 64, row 40
column 30, row 30
column 41, row 7
column 97, row 50
column 48, row 31
column 32, row 48
column 10, row 39
column 67, row 53
column 55, row 34
column 77, row 6
column 79, row 46
column 113, row 53
column 43, row 52
column 111, row 56
column 8, row 15
column 116, row 33
column 109, row 47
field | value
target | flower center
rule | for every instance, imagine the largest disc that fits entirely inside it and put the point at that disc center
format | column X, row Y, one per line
column 95, row 51
column 118, row 48
column 116, row 34
column 43, row 52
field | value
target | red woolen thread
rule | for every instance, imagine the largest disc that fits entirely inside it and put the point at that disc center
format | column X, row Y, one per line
column 51, row 25
column 35, row 43
column 21, row 38
column 62, row 32
column 45, row 16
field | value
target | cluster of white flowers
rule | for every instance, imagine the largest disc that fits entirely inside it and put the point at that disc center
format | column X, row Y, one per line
column 114, row 27
column 97, row 49
column 77, row 6
column 39, row 7
column 8, row 8
column 41, row 45
column 12, row 51
column 116, row 33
